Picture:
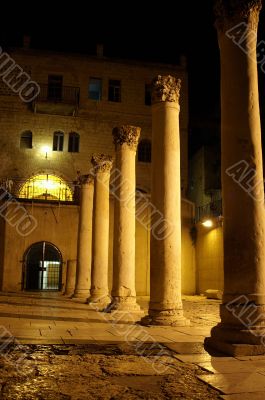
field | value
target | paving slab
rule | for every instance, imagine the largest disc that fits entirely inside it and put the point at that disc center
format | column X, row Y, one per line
column 233, row 366
column 201, row 358
column 242, row 382
column 245, row 396
column 186, row 348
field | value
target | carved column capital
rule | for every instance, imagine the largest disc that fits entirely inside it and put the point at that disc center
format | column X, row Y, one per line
column 229, row 12
column 102, row 162
column 86, row 179
column 126, row 134
column 165, row 88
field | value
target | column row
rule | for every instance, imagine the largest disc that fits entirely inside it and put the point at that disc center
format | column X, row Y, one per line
column 165, row 300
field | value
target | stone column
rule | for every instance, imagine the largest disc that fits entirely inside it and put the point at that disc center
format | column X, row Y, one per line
column 70, row 278
column 83, row 270
column 242, row 327
column 165, row 306
column 99, row 279
column 123, row 292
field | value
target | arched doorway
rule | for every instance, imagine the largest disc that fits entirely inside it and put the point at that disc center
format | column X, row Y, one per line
column 43, row 267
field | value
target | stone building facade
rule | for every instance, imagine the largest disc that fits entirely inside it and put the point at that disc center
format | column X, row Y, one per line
column 81, row 100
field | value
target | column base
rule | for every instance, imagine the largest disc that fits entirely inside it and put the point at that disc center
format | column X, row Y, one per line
column 237, row 340
column 165, row 318
column 124, row 304
column 81, row 294
column 99, row 302
column 69, row 293
column 234, row 350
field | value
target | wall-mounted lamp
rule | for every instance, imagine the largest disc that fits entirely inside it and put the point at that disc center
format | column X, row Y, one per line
column 46, row 150
column 213, row 222
column 208, row 223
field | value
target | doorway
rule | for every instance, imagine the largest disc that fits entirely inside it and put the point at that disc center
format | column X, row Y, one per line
column 43, row 267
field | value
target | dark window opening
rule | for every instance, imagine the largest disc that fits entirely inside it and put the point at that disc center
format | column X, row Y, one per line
column 73, row 143
column 58, row 139
column 55, row 87
column 95, row 89
column 144, row 151
column 114, row 91
column 26, row 140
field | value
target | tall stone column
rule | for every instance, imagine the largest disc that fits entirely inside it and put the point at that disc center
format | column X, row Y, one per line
column 242, row 327
column 83, row 270
column 165, row 306
column 123, row 292
column 70, row 278
column 99, row 279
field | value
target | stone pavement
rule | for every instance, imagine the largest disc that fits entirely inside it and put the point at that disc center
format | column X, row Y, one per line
column 39, row 323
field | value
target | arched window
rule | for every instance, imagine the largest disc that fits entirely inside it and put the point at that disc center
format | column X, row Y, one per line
column 58, row 139
column 26, row 140
column 46, row 187
column 144, row 151
column 73, row 143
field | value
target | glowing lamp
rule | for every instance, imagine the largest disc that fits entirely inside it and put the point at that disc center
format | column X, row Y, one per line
column 208, row 223
column 46, row 150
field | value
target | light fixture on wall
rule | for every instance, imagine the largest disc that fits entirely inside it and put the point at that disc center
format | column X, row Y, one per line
column 208, row 223
column 46, row 150
column 212, row 222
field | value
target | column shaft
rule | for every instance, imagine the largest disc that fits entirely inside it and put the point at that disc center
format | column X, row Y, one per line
column 84, row 245
column 123, row 292
column 70, row 278
column 243, row 308
column 99, row 279
column 165, row 306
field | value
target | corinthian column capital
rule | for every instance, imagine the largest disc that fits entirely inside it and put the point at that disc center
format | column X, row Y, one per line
column 234, row 11
column 126, row 134
column 86, row 179
column 102, row 162
column 165, row 88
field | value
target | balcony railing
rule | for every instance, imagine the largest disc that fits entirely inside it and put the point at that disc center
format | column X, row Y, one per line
column 62, row 100
column 212, row 209
column 64, row 94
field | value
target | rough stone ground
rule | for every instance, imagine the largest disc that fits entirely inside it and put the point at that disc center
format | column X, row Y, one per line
column 93, row 371
column 201, row 311
column 95, row 363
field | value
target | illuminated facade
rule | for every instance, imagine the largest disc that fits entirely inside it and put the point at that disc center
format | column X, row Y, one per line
column 47, row 144
column 46, row 187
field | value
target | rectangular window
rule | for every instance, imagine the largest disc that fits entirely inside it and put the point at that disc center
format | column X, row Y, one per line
column 114, row 90
column 26, row 140
column 58, row 139
column 147, row 98
column 94, row 88
column 55, row 87
column 73, row 143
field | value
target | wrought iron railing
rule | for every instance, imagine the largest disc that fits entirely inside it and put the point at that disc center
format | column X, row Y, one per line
column 212, row 209
column 63, row 94
column 23, row 190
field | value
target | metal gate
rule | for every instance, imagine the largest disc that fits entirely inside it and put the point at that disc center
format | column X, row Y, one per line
column 43, row 267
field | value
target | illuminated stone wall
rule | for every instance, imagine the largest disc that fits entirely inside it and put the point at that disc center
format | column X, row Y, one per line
column 94, row 120
column 209, row 257
column 58, row 225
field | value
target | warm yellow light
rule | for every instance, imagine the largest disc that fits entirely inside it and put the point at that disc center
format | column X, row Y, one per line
column 46, row 187
column 45, row 150
column 208, row 223
column 49, row 184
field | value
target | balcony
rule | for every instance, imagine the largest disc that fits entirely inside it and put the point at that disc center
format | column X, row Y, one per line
column 212, row 209
column 60, row 100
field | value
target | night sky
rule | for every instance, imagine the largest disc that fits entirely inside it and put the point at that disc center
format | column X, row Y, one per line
column 138, row 30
